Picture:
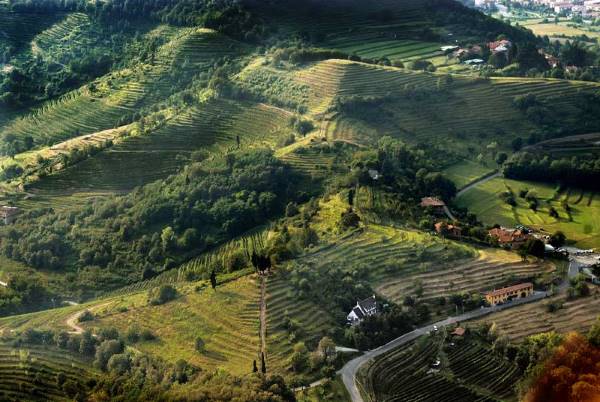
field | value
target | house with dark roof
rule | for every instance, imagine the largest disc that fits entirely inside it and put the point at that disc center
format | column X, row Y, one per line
column 364, row 308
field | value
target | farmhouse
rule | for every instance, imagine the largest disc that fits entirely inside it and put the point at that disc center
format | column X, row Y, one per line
column 363, row 308
column 8, row 214
column 513, row 238
column 434, row 203
column 446, row 229
column 500, row 46
column 521, row 290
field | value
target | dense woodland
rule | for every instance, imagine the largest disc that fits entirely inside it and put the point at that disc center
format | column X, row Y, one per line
column 154, row 228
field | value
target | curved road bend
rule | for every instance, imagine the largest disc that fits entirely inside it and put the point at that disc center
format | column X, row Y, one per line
column 477, row 183
column 348, row 372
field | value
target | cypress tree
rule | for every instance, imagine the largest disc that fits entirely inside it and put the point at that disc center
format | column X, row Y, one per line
column 263, row 365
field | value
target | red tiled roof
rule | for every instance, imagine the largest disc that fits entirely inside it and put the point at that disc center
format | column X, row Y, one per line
column 509, row 289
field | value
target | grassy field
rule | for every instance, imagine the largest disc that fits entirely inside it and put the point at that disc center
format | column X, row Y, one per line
column 466, row 172
column 583, row 228
column 533, row 318
column 331, row 391
column 468, row 372
column 29, row 373
column 563, row 28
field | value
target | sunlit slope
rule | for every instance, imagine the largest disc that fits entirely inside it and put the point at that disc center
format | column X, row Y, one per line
column 116, row 97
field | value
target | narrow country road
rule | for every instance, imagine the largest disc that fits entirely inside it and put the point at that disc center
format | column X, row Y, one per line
column 477, row 183
column 350, row 369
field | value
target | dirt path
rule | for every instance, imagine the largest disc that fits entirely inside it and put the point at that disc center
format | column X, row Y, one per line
column 72, row 320
column 263, row 315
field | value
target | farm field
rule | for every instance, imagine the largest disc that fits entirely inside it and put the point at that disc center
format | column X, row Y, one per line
column 468, row 372
column 29, row 373
column 121, row 93
column 583, row 229
column 528, row 319
column 390, row 253
column 466, row 172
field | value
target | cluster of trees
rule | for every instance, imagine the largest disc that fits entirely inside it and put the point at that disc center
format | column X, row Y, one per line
column 582, row 171
column 227, row 16
column 409, row 172
column 111, row 242
column 567, row 371
column 24, row 294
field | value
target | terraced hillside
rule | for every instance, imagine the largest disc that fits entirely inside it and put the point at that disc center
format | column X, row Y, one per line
column 467, row 372
column 30, row 373
column 17, row 28
column 530, row 319
column 226, row 320
column 141, row 159
column 385, row 253
column 491, row 268
column 117, row 96
column 580, row 224
column 310, row 323
column 417, row 106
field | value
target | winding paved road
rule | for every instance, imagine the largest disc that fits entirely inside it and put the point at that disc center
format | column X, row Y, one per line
column 348, row 372
column 477, row 183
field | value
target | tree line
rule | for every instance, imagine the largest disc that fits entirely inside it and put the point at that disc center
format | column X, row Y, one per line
column 581, row 171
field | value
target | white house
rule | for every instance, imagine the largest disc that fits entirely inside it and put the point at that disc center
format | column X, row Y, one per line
column 363, row 308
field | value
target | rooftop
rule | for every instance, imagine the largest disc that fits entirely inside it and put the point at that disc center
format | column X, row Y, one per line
column 514, row 288
column 432, row 202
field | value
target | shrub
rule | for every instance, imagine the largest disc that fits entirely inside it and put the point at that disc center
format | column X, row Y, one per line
column 162, row 295
column 87, row 315
column 199, row 345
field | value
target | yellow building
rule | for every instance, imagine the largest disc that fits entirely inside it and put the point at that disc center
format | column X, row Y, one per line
column 512, row 292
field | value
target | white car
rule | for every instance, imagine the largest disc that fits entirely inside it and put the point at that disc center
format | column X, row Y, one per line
column 435, row 328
